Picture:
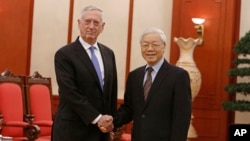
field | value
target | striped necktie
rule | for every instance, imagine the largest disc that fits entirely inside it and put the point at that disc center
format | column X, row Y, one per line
column 148, row 82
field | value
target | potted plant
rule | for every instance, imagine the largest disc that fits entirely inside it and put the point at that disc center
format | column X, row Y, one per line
column 241, row 72
column 241, row 69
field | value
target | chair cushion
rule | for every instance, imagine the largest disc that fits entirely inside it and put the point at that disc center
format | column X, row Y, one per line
column 40, row 104
column 11, row 107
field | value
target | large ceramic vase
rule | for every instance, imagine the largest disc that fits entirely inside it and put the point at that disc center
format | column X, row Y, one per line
column 187, row 62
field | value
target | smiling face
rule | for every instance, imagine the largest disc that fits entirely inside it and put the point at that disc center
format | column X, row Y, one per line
column 152, row 48
column 91, row 25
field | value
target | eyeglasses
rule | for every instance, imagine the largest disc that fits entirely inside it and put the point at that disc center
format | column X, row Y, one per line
column 153, row 45
column 88, row 22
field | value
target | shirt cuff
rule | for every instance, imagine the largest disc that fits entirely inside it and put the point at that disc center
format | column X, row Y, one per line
column 96, row 119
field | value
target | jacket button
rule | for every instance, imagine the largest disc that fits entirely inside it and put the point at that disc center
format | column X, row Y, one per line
column 143, row 116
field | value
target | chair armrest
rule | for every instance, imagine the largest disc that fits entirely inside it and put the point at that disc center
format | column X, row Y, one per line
column 31, row 131
column 45, row 123
column 15, row 124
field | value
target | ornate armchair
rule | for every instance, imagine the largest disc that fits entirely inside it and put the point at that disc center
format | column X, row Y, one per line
column 39, row 102
column 12, row 109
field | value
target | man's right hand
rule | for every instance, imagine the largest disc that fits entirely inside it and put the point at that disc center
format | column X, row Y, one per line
column 105, row 123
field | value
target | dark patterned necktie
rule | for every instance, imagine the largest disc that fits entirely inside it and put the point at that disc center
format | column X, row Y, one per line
column 148, row 82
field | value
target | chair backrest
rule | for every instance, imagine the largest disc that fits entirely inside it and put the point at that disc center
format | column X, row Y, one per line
column 39, row 100
column 12, row 102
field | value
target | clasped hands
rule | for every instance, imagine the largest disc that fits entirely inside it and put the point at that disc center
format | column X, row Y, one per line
column 105, row 123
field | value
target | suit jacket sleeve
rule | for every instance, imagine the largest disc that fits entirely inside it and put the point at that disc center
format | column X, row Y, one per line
column 181, row 107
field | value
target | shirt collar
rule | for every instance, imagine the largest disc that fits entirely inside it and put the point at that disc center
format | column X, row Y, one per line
column 87, row 45
column 157, row 66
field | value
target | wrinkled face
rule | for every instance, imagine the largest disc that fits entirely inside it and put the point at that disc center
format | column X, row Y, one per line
column 90, row 26
column 152, row 48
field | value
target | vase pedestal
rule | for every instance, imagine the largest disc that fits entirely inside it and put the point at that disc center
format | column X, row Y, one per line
column 191, row 131
column 187, row 62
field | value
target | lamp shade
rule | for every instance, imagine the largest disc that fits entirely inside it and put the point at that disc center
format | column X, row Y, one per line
column 198, row 20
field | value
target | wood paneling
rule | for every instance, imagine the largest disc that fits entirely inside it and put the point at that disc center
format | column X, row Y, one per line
column 129, row 36
column 15, row 35
column 71, row 9
column 213, row 59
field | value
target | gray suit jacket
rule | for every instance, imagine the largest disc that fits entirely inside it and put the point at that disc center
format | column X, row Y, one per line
column 165, row 115
column 81, row 97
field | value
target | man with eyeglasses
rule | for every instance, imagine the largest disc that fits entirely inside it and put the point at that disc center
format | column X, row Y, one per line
column 157, row 96
column 87, row 78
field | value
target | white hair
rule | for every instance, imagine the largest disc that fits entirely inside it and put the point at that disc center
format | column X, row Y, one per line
column 89, row 8
column 155, row 30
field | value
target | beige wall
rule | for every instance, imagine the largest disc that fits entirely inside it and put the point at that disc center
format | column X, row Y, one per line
column 149, row 13
column 50, row 31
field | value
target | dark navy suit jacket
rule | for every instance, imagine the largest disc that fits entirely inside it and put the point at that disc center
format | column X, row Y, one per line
column 81, row 97
column 165, row 115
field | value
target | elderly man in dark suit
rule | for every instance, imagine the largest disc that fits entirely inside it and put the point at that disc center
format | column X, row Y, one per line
column 87, row 79
column 158, row 95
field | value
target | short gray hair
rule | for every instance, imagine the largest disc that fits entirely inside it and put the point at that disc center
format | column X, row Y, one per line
column 89, row 8
column 155, row 30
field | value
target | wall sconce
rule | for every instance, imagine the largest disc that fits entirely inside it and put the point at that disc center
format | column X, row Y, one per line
column 199, row 28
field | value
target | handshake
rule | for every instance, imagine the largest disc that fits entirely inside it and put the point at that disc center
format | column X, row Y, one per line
column 105, row 123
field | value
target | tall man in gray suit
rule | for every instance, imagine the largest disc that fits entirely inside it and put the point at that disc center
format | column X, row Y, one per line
column 87, row 79
column 157, row 96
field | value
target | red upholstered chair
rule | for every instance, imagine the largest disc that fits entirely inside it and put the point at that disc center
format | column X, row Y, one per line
column 125, row 137
column 39, row 101
column 121, row 135
column 12, row 109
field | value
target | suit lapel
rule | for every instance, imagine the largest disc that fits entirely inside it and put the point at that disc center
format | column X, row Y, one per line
column 106, row 64
column 141, row 90
column 84, row 57
column 158, row 79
